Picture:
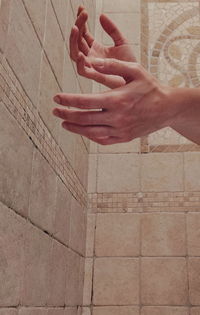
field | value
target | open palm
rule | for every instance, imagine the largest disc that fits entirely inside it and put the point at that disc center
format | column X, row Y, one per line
column 83, row 48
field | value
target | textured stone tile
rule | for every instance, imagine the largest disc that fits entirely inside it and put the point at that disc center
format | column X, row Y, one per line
column 122, row 6
column 164, row 281
column 116, row 281
column 54, row 44
column 22, row 44
column 77, row 227
column 16, row 152
column 117, row 235
column 117, row 173
column 165, row 310
column 58, row 275
column 194, row 280
column 48, row 89
column 128, row 23
column 70, row 311
column 195, row 311
column 163, row 234
column 43, row 193
column 8, row 311
column 37, row 12
column 73, row 295
column 63, row 211
column 128, row 147
column 4, row 22
column 116, row 310
column 38, row 248
column 56, row 311
column 91, row 218
column 87, row 293
column 92, row 173
column 81, row 162
column 33, row 311
column 193, row 230
column 86, row 311
column 162, row 172
column 192, row 171
column 11, row 257
column 61, row 8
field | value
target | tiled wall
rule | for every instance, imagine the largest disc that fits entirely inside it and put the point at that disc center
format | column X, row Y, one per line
column 43, row 169
column 143, row 233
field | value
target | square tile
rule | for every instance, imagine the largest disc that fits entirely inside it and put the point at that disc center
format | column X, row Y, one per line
column 8, row 311
column 116, row 310
column 43, row 193
column 163, row 234
column 128, row 147
column 92, row 173
column 164, row 281
column 165, row 310
column 122, row 6
column 11, row 257
column 33, row 311
column 116, row 281
column 194, row 280
column 4, row 22
column 162, row 172
column 118, row 173
column 117, row 234
column 192, row 171
column 193, row 230
column 91, row 223
column 88, row 277
column 195, row 311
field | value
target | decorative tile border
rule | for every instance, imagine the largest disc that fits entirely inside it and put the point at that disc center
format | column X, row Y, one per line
column 144, row 202
column 151, row 58
column 19, row 105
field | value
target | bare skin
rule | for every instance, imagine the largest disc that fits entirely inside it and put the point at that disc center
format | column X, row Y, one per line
column 136, row 106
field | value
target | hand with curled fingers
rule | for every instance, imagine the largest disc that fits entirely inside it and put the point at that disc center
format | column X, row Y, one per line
column 139, row 107
column 83, row 47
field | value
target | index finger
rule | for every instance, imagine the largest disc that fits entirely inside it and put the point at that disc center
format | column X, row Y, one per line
column 84, row 101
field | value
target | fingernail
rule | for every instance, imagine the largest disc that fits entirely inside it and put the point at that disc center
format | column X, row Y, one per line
column 57, row 99
column 98, row 62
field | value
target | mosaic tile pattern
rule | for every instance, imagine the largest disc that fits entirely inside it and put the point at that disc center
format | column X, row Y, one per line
column 171, row 52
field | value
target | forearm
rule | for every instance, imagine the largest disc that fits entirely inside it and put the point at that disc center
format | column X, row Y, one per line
column 187, row 122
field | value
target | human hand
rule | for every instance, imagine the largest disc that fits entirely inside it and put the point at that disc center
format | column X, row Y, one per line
column 82, row 44
column 136, row 109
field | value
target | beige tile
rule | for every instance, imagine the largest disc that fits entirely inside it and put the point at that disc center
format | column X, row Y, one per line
column 117, row 235
column 165, row 310
column 33, row 311
column 63, row 212
column 118, row 173
column 58, row 275
column 193, row 230
column 37, row 12
column 22, row 44
column 4, row 22
column 43, row 193
column 164, row 281
column 86, row 311
column 54, row 44
column 91, row 223
column 88, row 274
column 16, row 152
column 162, row 172
column 55, row 311
column 61, row 9
column 81, row 162
column 128, row 23
column 194, row 280
column 8, row 311
column 11, row 256
column 116, row 310
column 122, row 6
column 195, row 311
column 70, row 311
column 48, row 89
column 37, row 254
column 116, row 281
column 128, row 147
column 192, row 171
column 163, row 234
column 73, row 295
column 70, row 23
column 77, row 227
column 92, row 173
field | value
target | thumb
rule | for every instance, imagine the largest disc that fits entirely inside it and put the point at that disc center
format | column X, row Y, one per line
column 128, row 70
